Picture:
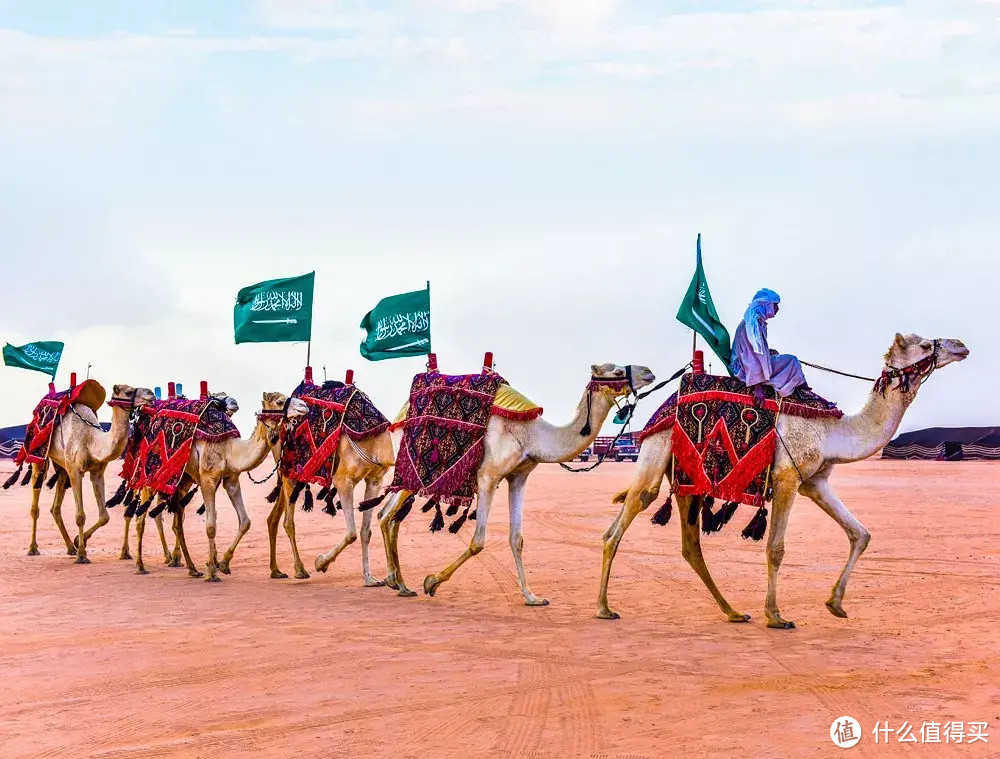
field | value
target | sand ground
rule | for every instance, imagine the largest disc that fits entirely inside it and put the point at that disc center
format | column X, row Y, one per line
column 99, row 662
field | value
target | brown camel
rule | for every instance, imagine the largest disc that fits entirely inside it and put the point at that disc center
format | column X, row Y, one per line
column 814, row 446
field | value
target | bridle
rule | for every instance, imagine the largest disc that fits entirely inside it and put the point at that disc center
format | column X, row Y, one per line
column 613, row 384
column 918, row 371
column 273, row 418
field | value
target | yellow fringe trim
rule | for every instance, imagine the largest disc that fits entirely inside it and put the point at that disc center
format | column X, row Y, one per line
column 509, row 399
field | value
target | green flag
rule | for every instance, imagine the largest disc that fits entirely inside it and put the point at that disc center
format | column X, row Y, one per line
column 38, row 357
column 698, row 312
column 275, row 311
column 398, row 326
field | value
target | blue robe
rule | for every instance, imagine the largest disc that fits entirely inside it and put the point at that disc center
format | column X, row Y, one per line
column 782, row 371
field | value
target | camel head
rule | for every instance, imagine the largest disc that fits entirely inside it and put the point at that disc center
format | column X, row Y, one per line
column 907, row 350
column 124, row 394
column 230, row 403
column 614, row 379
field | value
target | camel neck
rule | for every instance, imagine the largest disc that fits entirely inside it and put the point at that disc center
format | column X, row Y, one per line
column 111, row 444
column 552, row 443
column 248, row 454
column 858, row 436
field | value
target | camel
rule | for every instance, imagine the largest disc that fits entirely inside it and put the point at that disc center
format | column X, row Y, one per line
column 814, row 446
column 213, row 463
column 512, row 451
column 170, row 558
column 81, row 446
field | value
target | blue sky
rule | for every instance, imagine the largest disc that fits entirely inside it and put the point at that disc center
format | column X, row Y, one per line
column 546, row 164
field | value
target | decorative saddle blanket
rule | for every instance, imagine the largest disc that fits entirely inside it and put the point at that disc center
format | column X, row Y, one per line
column 334, row 409
column 723, row 444
column 166, row 445
column 38, row 433
column 443, row 435
column 136, row 434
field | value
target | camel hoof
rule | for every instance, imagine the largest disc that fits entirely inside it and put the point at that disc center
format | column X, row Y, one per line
column 405, row 592
column 371, row 582
column 738, row 618
column 277, row 574
column 142, row 571
column 431, row 585
column 302, row 574
column 320, row 566
column 780, row 624
column 195, row 573
column 71, row 550
column 537, row 602
column 224, row 568
column 608, row 614
column 836, row 610
column 82, row 560
column 174, row 562
column 213, row 578
column 33, row 551
column 125, row 556
column 389, row 582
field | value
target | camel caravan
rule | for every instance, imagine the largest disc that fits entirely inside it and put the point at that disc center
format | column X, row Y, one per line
column 738, row 439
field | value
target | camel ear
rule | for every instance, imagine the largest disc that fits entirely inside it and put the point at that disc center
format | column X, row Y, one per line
column 595, row 370
column 900, row 340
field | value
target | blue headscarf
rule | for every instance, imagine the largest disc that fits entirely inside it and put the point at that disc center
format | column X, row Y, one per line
column 760, row 309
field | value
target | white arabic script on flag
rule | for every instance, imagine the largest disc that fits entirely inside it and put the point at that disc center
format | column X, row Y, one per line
column 402, row 324
column 273, row 300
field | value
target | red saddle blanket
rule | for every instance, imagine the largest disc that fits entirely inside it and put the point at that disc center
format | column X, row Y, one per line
column 443, row 433
column 335, row 409
column 723, row 444
column 38, row 433
column 166, row 443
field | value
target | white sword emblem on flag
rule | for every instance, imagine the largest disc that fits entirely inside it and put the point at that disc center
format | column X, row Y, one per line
column 275, row 321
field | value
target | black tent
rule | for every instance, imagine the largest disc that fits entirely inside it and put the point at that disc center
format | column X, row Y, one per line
column 946, row 444
column 11, row 439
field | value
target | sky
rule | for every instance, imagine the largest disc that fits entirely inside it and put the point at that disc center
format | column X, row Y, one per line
column 546, row 164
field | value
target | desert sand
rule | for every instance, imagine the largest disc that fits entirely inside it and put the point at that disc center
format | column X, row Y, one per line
column 100, row 662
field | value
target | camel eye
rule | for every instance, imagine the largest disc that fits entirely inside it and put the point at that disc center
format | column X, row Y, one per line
column 926, row 345
column 619, row 372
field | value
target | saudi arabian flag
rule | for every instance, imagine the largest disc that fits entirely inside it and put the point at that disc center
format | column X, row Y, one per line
column 38, row 357
column 398, row 326
column 698, row 312
column 275, row 311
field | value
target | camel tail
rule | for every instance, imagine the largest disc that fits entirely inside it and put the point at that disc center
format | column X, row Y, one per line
column 620, row 497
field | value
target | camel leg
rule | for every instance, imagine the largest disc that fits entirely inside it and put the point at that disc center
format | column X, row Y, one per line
column 484, row 499
column 140, row 528
column 181, row 546
column 76, row 482
column 515, row 487
column 781, row 507
column 300, row 570
column 126, row 554
column 210, row 523
column 103, row 517
column 273, row 519
column 644, row 488
column 167, row 556
column 235, row 494
column 821, row 493
column 390, row 534
column 36, row 493
column 324, row 560
column 691, row 550
column 372, row 487
column 57, row 503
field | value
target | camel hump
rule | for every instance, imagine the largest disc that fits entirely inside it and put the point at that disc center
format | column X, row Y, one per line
column 620, row 497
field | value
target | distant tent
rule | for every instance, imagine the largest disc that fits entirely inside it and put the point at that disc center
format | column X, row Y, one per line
column 946, row 444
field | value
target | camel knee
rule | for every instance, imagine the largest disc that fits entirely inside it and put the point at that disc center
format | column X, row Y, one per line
column 81, row 519
column 475, row 546
column 34, row 512
column 210, row 532
column 775, row 554
column 860, row 539
column 350, row 537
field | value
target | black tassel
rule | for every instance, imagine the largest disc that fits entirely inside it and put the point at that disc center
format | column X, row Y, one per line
column 472, row 514
column 438, row 522
column 322, row 494
column 10, row 481
column 457, row 524
column 585, row 430
column 55, row 478
column 400, row 515
column 757, row 526
column 295, row 492
column 371, row 503
column 201, row 509
column 130, row 509
column 144, row 507
column 452, row 510
column 330, row 508
column 307, row 500
column 662, row 515
column 27, row 478
column 273, row 495
column 130, row 500
column 158, row 509
column 187, row 498
column 710, row 522
column 39, row 480
column 431, row 503
column 693, row 513
column 726, row 513
column 709, row 500
column 119, row 495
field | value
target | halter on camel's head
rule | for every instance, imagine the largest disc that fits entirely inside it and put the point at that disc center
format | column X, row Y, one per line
column 230, row 405
column 911, row 359
column 128, row 397
column 276, row 409
column 614, row 382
